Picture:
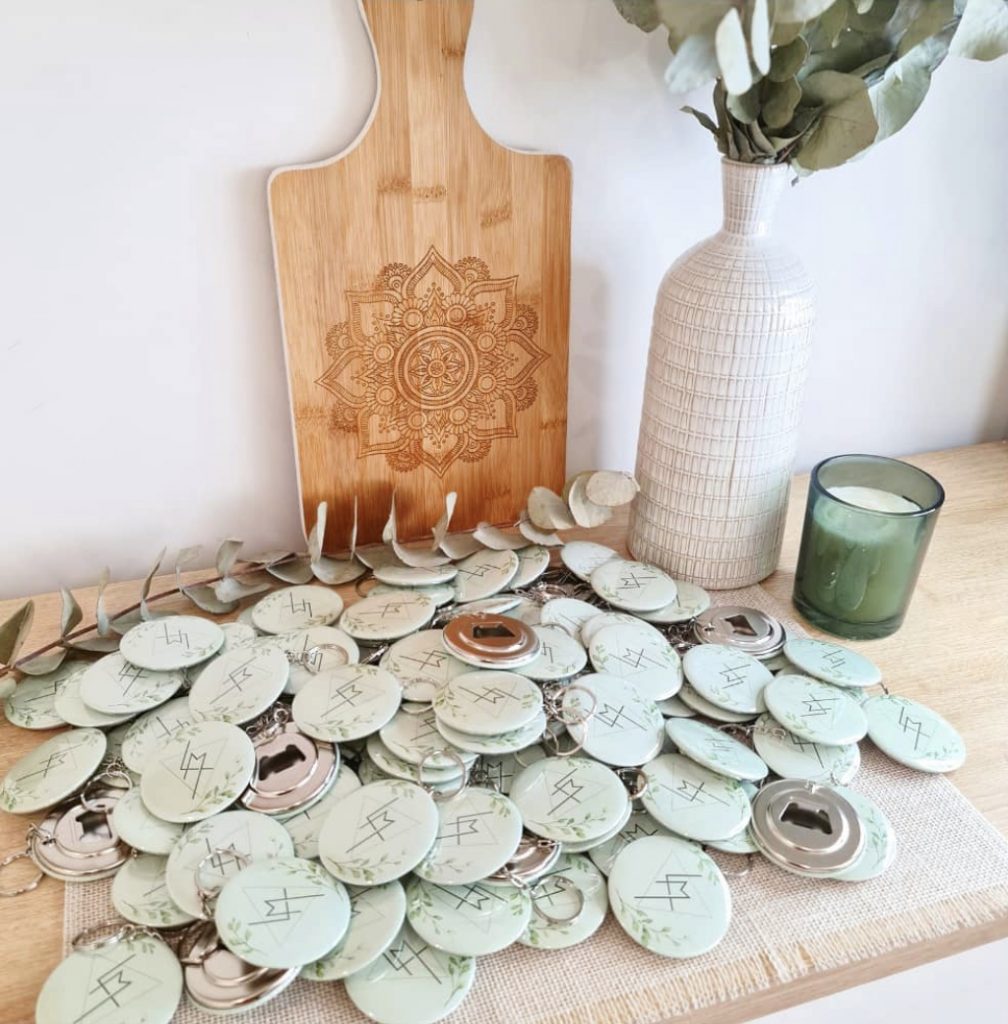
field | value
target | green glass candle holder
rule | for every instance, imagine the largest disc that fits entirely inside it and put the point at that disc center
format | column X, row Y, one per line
column 868, row 523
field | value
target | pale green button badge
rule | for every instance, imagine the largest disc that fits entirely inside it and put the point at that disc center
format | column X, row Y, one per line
column 500, row 743
column 913, row 734
column 305, row 826
column 422, row 665
column 670, row 897
column 484, row 574
column 792, row 757
column 174, row 642
column 282, row 913
column 140, row 894
column 880, row 846
column 152, row 730
column 815, row 711
column 348, row 703
column 730, row 679
column 114, row 686
column 240, row 685
column 32, row 704
column 292, row 608
column 52, row 771
column 640, row 655
column 387, row 616
column 569, row 904
column 71, row 708
column 633, row 586
column 137, row 827
column 832, row 663
column 715, row 749
column 487, row 703
column 612, row 720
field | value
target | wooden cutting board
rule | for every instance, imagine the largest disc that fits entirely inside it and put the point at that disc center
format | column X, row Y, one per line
column 424, row 278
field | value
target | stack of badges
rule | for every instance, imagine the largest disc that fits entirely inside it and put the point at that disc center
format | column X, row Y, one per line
column 474, row 754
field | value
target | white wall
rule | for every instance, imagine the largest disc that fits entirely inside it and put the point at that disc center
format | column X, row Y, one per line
column 144, row 398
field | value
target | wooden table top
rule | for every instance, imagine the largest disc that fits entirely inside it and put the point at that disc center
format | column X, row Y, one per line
column 956, row 625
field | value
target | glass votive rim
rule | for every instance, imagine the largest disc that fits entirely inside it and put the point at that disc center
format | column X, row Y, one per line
column 882, row 460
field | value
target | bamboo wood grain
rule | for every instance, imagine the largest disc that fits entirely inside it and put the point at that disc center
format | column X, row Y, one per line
column 395, row 386
column 950, row 653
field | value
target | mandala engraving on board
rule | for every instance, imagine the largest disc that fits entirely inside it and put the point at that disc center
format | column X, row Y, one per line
column 434, row 363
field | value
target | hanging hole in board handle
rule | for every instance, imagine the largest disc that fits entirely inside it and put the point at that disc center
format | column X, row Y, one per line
column 564, row 883
column 441, row 795
column 20, row 890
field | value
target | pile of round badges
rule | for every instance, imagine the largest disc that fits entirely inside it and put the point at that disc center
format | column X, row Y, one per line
column 470, row 756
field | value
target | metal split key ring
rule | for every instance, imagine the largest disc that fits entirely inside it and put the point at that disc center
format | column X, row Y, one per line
column 441, row 795
column 108, row 933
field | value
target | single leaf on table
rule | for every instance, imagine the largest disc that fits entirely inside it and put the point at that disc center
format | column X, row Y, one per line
column 496, row 539
column 335, row 571
column 440, row 529
column 548, row 511
column 759, row 35
column 70, row 613
column 694, row 64
column 846, row 125
column 585, row 511
column 534, row 535
column 227, row 555
column 232, row 589
column 732, row 54
column 104, row 627
column 95, row 644
column 43, row 664
column 125, row 622
column 896, row 97
column 983, row 31
column 780, row 99
column 786, row 61
column 295, row 570
column 205, row 598
column 642, row 13
column 13, row 632
column 460, row 545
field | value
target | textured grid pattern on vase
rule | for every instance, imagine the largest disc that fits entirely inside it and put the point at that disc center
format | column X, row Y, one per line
column 726, row 370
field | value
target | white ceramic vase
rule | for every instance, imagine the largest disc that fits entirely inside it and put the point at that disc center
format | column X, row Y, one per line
column 729, row 354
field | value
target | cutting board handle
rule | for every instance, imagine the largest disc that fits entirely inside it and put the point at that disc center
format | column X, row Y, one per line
column 418, row 40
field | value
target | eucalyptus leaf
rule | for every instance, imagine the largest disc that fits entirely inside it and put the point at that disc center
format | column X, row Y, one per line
column 786, row 61
column 875, row 19
column 745, row 108
column 642, row 13
column 205, row 598
column 780, row 100
column 13, row 632
column 732, row 54
column 846, row 125
column 761, row 142
column 703, row 118
column 101, row 614
column 70, row 614
column 823, row 33
column 759, row 35
column 746, row 150
column 685, row 18
column 125, row 622
column 983, row 31
column 784, row 32
column 853, row 50
column 95, row 644
column 227, row 555
column 43, row 664
column 269, row 557
column 145, row 610
column 336, row 571
column 901, row 91
column 913, row 23
column 694, row 64
column 231, row 589
column 727, row 147
column 863, row 5
column 316, row 536
column 440, row 530
column 295, row 570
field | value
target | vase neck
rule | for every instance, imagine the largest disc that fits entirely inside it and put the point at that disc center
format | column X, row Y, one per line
column 751, row 192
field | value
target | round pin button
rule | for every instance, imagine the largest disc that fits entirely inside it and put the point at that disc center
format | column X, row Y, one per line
column 560, row 656
column 140, row 895
column 173, row 642
column 533, row 561
column 570, row 799
column 71, row 708
column 292, row 770
column 292, row 608
column 715, row 749
column 690, row 602
column 640, row 655
column 395, row 767
column 569, row 904
column 52, row 771
column 748, row 630
column 880, row 846
column 440, row 594
column 693, row 801
column 489, row 640
column 140, row 829
column 478, row 832
column 583, row 557
column 378, row 833
column 500, row 743
column 411, row 982
column 147, row 982
column 422, row 664
column 670, row 897
column 603, row 619
column 32, row 705
column 282, row 913
column 913, row 734
column 414, row 576
column 234, row 839
column 237, row 634
column 387, row 616
column 637, row 826
column 484, row 573
column 832, row 663
column 568, row 613
column 612, row 720
column 587, row 845
column 202, row 769
column 240, row 685
column 376, row 918
column 488, row 703
column 113, row 686
column 305, row 826
column 633, row 586
column 675, row 707
column 730, row 679
column 347, row 703
column 314, row 650
column 147, row 734
column 791, row 757
column 413, row 736
column 815, row 711
column 701, row 706
column 467, row 919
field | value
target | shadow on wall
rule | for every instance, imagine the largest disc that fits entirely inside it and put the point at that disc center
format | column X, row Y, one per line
column 588, row 371
column 995, row 419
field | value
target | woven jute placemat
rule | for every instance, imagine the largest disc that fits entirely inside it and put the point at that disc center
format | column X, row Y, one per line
column 951, row 872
